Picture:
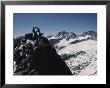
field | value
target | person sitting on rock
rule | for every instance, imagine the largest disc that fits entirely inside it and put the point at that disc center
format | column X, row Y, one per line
column 40, row 34
column 33, row 30
column 38, row 31
column 35, row 35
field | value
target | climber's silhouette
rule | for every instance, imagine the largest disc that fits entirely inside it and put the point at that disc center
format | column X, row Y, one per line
column 33, row 30
column 37, row 34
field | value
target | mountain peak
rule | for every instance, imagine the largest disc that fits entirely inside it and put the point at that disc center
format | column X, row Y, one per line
column 62, row 33
column 91, row 33
column 65, row 35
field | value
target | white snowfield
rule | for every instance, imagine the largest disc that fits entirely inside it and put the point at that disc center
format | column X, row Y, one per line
column 85, row 61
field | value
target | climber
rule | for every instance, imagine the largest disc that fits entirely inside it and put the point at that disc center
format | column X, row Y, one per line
column 40, row 34
column 35, row 35
column 33, row 30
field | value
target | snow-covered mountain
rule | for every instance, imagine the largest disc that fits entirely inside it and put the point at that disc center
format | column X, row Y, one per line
column 78, row 51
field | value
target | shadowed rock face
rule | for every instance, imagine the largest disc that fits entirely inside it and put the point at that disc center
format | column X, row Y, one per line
column 38, row 58
column 49, row 62
column 68, row 56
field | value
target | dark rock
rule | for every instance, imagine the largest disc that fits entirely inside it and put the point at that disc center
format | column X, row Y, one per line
column 39, row 58
column 68, row 56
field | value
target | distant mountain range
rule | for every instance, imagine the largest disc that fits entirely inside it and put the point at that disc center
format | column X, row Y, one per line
column 78, row 51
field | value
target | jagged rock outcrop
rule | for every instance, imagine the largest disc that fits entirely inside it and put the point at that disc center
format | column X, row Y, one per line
column 36, row 56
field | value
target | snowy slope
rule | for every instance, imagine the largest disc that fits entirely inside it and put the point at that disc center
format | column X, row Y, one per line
column 81, row 61
column 79, row 52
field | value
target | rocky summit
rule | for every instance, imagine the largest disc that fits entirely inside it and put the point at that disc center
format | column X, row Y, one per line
column 34, row 55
